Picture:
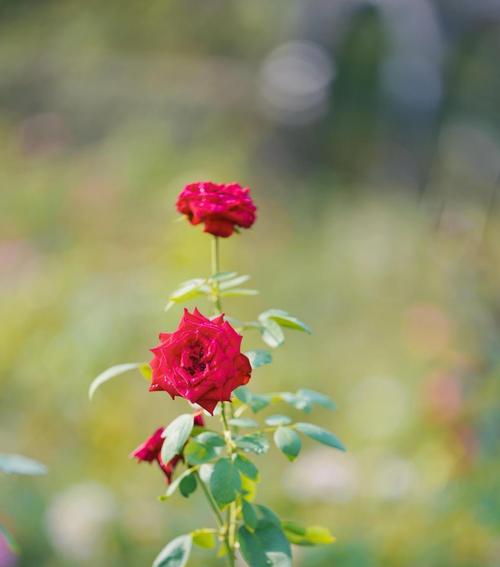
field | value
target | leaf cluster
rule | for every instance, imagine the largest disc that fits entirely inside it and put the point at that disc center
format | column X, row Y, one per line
column 220, row 462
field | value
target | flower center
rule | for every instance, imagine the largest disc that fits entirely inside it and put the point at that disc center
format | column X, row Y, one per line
column 195, row 364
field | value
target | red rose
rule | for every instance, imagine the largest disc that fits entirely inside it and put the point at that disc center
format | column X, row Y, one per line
column 220, row 206
column 150, row 450
column 201, row 361
column 169, row 468
column 198, row 420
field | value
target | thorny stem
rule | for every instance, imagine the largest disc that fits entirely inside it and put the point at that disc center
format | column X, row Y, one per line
column 229, row 527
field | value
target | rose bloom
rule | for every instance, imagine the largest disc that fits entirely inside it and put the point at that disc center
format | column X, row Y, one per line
column 221, row 207
column 150, row 450
column 201, row 361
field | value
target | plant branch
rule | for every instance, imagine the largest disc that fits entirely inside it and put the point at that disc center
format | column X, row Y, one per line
column 218, row 515
column 231, row 512
column 229, row 527
column 216, row 270
column 211, row 500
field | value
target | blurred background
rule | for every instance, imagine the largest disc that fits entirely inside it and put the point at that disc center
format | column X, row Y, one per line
column 369, row 133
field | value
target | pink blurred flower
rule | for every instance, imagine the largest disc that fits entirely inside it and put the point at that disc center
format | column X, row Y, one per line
column 444, row 396
column 8, row 553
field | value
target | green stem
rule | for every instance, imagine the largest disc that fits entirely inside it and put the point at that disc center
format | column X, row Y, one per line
column 220, row 520
column 229, row 526
column 231, row 512
column 211, row 500
column 225, row 425
column 216, row 270
column 231, row 536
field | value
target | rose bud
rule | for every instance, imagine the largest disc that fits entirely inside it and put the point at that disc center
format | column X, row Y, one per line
column 150, row 450
column 198, row 420
column 200, row 362
column 169, row 468
column 221, row 207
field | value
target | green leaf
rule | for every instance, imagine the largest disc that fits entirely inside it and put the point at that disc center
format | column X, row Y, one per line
column 18, row 464
column 204, row 538
column 111, row 373
column 320, row 434
column 288, row 442
column 222, row 551
column 249, row 515
column 316, row 398
column 176, row 434
column 210, row 438
column 223, row 276
column 243, row 394
column 246, row 467
column 259, row 357
column 248, row 488
column 206, row 471
column 176, row 553
column 225, row 482
column 197, row 453
column 284, row 319
column 243, row 422
column 276, row 420
column 312, row 535
column 271, row 333
column 240, row 292
column 267, row 546
column 296, row 401
column 188, row 485
column 256, row 402
column 172, row 487
column 268, row 514
column 188, row 290
column 233, row 282
column 146, row 371
column 253, row 443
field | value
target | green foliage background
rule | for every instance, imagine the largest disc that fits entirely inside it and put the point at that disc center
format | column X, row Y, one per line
column 378, row 226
